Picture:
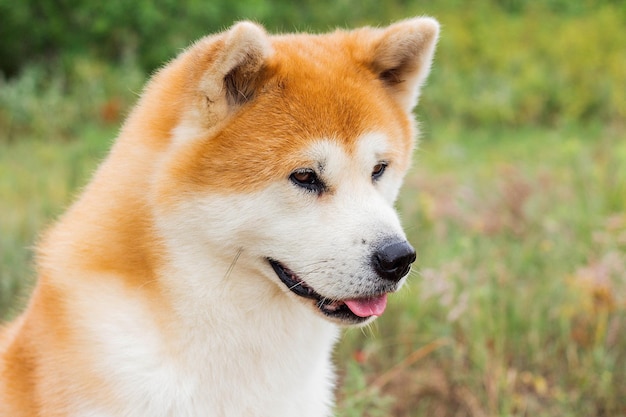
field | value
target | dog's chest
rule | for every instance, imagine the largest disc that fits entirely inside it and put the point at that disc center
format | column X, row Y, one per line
column 232, row 370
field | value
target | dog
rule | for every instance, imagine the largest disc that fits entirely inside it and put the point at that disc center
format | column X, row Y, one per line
column 243, row 216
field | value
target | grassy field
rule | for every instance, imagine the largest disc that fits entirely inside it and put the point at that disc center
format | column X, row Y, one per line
column 518, row 304
column 516, row 205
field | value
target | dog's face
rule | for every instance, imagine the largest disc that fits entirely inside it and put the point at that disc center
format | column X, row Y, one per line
column 298, row 169
column 336, row 241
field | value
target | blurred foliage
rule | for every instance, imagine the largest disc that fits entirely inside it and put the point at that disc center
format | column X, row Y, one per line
column 535, row 67
column 152, row 30
column 520, row 305
column 52, row 104
column 508, row 62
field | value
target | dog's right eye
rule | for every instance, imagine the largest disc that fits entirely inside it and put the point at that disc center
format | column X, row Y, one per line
column 307, row 179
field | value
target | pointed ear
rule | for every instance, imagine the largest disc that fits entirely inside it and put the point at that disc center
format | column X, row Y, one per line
column 401, row 55
column 238, row 57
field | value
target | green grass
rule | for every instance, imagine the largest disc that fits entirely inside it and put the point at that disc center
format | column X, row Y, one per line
column 519, row 295
column 517, row 305
column 516, row 205
column 37, row 180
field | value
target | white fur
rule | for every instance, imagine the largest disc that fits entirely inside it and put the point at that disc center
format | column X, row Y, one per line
column 235, row 362
column 249, row 346
column 263, row 350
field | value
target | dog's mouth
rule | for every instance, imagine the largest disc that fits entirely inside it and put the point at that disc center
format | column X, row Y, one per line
column 349, row 311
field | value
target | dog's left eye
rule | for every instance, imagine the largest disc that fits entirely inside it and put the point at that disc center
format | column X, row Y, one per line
column 379, row 170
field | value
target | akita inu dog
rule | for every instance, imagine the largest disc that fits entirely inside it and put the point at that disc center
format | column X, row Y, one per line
column 243, row 215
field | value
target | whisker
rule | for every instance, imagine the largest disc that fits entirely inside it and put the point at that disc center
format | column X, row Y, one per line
column 295, row 285
column 316, row 264
column 232, row 264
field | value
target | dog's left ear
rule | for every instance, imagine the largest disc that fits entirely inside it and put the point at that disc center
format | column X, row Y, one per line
column 401, row 55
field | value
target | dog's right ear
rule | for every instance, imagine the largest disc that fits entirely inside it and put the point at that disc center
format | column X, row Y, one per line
column 231, row 64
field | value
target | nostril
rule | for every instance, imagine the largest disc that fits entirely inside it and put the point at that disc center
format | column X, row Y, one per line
column 393, row 260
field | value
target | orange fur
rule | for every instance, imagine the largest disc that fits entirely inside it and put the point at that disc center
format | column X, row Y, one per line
column 235, row 138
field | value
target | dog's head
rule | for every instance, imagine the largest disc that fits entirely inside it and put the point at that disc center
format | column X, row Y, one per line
column 289, row 151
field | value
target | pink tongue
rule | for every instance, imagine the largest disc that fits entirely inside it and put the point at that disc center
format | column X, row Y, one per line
column 365, row 307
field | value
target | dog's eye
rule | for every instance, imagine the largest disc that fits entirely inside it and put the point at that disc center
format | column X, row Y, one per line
column 379, row 170
column 307, row 179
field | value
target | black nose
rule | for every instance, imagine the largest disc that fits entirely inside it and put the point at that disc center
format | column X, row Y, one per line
column 393, row 260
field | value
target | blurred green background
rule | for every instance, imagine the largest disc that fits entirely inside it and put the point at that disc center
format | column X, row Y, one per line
column 516, row 203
